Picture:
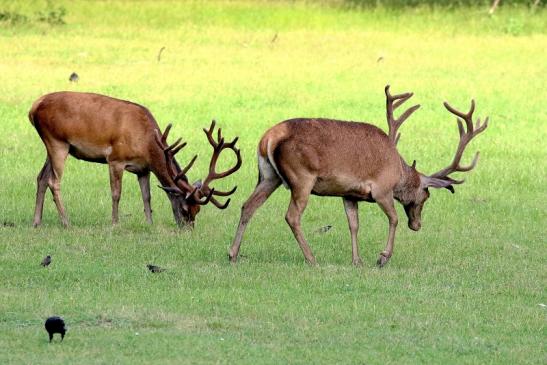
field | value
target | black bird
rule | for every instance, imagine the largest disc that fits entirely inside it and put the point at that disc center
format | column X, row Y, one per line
column 46, row 261
column 324, row 229
column 154, row 268
column 73, row 77
column 55, row 325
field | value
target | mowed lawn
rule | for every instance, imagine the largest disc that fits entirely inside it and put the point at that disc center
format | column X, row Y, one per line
column 468, row 288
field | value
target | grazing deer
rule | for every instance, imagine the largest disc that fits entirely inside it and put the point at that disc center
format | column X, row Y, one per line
column 355, row 161
column 125, row 136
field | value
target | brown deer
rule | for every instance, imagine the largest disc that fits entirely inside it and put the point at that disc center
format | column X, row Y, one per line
column 355, row 161
column 124, row 135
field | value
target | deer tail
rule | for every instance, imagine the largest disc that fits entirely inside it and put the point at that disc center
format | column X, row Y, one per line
column 270, row 148
column 33, row 109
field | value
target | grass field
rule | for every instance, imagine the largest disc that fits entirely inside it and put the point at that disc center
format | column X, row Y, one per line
column 467, row 288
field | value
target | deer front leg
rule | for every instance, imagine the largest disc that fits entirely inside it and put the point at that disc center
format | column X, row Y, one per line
column 386, row 203
column 116, row 172
column 144, row 183
column 42, row 182
column 352, row 213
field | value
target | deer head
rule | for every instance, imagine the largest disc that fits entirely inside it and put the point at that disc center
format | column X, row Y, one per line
column 187, row 199
column 413, row 191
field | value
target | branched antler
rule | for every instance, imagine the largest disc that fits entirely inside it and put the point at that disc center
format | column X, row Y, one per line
column 199, row 194
column 392, row 103
column 466, row 135
column 218, row 146
column 169, row 152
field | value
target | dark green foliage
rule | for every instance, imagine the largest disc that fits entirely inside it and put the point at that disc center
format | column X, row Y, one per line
column 12, row 18
column 52, row 15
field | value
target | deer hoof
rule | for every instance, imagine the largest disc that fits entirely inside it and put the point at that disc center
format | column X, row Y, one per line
column 383, row 259
column 232, row 259
column 357, row 262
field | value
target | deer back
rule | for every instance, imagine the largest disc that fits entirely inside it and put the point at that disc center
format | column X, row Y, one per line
column 96, row 126
column 341, row 154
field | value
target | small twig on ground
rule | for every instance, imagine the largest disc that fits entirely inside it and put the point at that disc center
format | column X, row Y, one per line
column 159, row 53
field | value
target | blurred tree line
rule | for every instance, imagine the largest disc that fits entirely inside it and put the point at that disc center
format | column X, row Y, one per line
column 441, row 3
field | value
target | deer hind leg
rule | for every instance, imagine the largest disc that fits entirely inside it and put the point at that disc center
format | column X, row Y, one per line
column 352, row 213
column 42, row 185
column 386, row 203
column 116, row 172
column 300, row 194
column 57, row 156
column 267, row 183
column 144, row 183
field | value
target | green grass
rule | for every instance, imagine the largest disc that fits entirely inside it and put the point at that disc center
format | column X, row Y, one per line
column 465, row 289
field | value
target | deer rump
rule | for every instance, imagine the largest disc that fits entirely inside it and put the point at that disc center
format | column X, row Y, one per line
column 347, row 159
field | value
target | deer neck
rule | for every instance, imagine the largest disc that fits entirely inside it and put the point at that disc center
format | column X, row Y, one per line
column 409, row 184
column 159, row 169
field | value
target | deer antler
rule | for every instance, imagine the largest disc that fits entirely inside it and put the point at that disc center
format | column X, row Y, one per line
column 169, row 152
column 466, row 135
column 218, row 146
column 392, row 103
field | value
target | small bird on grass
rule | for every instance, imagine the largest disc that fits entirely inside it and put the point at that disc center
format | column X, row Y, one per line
column 73, row 77
column 55, row 325
column 324, row 229
column 154, row 268
column 46, row 261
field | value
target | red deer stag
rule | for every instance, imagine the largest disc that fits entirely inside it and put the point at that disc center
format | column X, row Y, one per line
column 125, row 136
column 355, row 161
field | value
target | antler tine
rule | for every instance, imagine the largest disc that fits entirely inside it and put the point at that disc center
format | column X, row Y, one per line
column 166, row 133
column 207, row 198
column 185, row 170
column 209, row 133
column 180, row 147
column 219, row 205
column 225, row 193
column 175, row 147
column 471, row 166
column 233, row 143
column 466, row 135
column 397, row 99
column 392, row 103
column 467, row 117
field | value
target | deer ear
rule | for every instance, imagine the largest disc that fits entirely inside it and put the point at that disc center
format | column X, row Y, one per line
column 198, row 184
column 433, row 182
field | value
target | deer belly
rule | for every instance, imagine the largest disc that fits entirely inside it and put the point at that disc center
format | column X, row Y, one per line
column 341, row 186
column 81, row 151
